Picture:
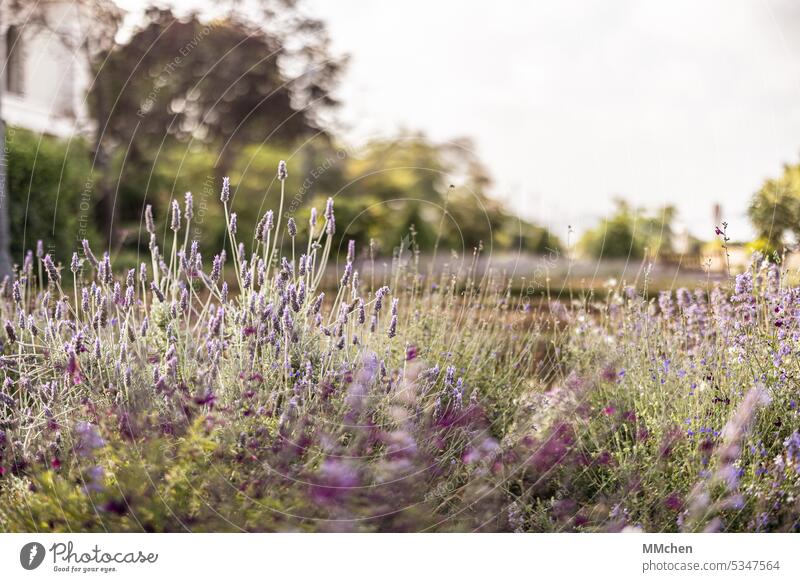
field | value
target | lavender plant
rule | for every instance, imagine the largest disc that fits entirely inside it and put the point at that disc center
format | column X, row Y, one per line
column 260, row 391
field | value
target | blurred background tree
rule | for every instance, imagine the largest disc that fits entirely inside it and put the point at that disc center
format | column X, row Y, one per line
column 180, row 102
column 179, row 83
column 775, row 209
column 185, row 102
column 440, row 189
column 630, row 233
column 381, row 191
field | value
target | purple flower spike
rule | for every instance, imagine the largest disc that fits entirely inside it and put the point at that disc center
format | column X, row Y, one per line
column 225, row 195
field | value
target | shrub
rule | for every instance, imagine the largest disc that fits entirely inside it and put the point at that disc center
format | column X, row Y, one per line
column 49, row 188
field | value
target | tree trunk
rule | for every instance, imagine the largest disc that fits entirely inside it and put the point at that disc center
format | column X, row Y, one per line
column 104, row 210
column 5, row 227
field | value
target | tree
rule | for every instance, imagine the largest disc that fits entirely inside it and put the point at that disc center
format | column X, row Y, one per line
column 438, row 188
column 775, row 208
column 629, row 233
column 220, row 85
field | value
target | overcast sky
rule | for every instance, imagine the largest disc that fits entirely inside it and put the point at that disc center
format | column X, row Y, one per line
column 571, row 103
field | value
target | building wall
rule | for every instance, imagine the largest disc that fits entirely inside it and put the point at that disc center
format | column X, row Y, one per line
column 54, row 70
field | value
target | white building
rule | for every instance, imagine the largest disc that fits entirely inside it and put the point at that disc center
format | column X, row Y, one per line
column 44, row 68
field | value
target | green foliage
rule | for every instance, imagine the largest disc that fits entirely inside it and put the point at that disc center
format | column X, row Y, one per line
column 630, row 233
column 390, row 186
column 775, row 208
column 766, row 248
column 46, row 180
column 182, row 86
column 169, row 483
column 185, row 102
column 380, row 192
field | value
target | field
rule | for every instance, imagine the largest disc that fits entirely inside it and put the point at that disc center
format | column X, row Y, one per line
column 311, row 392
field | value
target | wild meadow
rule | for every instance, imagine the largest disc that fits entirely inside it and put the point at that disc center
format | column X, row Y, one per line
column 287, row 385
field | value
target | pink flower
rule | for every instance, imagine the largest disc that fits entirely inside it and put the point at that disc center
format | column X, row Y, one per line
column 673, row 502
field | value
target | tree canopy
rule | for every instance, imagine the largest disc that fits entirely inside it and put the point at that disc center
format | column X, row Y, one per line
column 630, row 233
column 775, row 208
column 220, row 84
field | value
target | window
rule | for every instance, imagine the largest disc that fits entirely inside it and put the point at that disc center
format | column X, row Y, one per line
column 14, row 61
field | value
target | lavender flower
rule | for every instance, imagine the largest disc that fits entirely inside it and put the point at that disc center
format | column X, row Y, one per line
column 52, row 271
column 282, row 172
column 149, row 223
column 104, row 270
column 362, row 316
column 268, row 226
column 12, row 336
column 216, row 268
column 86, row 439
column 175, row 224
column 348, row 273
column 85, row 299
column 75, row 264
column 188, row 212
column 87, row 252
column 379, row 295
column 225, row 195
column 330, row 219
column 317, row 305
column 157, row 292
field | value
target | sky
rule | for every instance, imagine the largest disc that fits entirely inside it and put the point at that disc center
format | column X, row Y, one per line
column 572, row 103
